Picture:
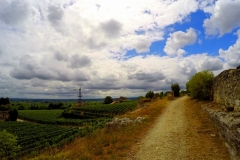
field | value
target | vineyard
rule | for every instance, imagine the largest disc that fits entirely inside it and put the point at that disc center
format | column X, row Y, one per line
column 34, row 137
column 52, row 117
column 113, row 109
column 77, row 115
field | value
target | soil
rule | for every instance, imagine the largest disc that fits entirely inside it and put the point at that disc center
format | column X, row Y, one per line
column 183, row 131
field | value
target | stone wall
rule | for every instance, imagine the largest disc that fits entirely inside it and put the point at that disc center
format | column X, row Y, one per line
column 228, row 124
column 226, row 89
column 224, row 111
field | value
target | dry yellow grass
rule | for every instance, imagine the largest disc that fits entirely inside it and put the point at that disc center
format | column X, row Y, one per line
column 108, row 143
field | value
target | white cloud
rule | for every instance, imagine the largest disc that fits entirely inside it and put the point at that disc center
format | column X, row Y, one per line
column 55, row 14
column 49, row 47
column 232, row 55
column 13, row 12
column 77, row 61
column 178, row 40
column 224, row 17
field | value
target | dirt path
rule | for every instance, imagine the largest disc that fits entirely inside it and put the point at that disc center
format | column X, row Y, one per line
column 183, row 131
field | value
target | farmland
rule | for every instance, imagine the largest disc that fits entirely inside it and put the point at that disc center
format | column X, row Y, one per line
column 52, row 117
column 56, row 127
column 33, row 137
column 113, row 109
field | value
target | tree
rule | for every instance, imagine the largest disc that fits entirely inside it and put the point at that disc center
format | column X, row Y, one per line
column 4, row 101
column 161, row 95
column 108, row 100
column 149, row 94
column 8, row 145
column 13, row 114
column 200, row 85
column 175, row 88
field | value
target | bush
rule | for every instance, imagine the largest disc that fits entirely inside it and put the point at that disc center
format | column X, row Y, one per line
column 13, row 114
column 140, row 97
column 149, row 94
column 8, row 145
column 55, row 105
column 161, row 95
column 4, row 101
column 108, row 100
column 175, row 88
column 200, row 85
column 5, row 107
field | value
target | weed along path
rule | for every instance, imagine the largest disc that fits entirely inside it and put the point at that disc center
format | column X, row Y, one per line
column 183, row 131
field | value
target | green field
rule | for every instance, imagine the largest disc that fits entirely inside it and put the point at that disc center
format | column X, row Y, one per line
column 110, row 109
column 34, row 105
column 56, row 128
column 51, row 117
column 33, row 137
column 77, row 115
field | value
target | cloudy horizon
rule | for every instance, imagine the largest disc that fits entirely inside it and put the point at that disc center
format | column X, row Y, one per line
column 49, row 49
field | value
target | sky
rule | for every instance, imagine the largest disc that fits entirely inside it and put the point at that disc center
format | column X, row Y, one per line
column 51, row 48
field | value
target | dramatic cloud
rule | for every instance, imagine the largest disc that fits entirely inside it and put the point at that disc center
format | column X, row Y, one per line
column 28, row 68
column 232, row 55
column 48, row 48
column 147, row 77
column 178, row 40
column 61, row 56
column 77, row 61
column 55, row 14
column 210, row 63
column 111, row 28
column 142, row 46
column 224, row 17
column 13, row 12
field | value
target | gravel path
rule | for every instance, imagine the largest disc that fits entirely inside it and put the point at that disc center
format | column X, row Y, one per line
column 181, row 133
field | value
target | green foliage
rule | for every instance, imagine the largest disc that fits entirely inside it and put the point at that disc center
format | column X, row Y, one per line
column 149, row 94
column 33, row 137
column 4, row 101
column 175, row 88
column 161, row 95
column 41, row 105
column 140, row 97
column 199, row 86
column 5, row 107
column 8, row 145
column 40, row 116
column 101, row 110
column 13, row 114
column 108, row 100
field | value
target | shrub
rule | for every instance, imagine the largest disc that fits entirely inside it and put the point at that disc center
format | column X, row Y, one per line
column 8, row 145
column 13, row 114
column 200, row 85
column 175, row 88
column 161, row 95
column 5, row 107
column 149, row 94
column 140, row 97
column 108, row 100
column 4, row 101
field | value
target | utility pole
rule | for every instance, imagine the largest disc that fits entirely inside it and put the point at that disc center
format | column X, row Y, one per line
column 80, row 96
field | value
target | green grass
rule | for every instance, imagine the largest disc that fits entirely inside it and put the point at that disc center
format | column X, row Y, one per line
column 41, row 116
column 53, row 117
column 26, row 105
